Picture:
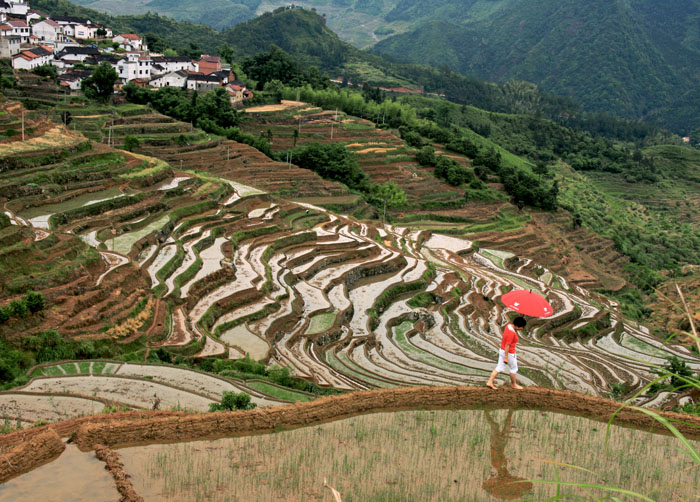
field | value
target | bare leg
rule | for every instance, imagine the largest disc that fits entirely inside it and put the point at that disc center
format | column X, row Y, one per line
column 490, row 383
column 514, row 382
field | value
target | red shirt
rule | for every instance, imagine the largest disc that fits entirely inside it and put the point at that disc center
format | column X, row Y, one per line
column 510, row 337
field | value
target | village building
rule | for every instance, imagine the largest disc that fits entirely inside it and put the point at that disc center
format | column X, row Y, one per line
column 18, row 28
column 209, row 64
column 73, row 78
column 167, row 64
column 17, row 8
column 134, row 66
column 35, row 15
column 9, row 46
column 76, row 54
column 202, row 82
column 28, row 60
column 130, row 42
column 171, row 79
column 48, row 31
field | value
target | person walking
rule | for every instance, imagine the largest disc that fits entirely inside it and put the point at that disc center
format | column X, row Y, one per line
column 506, row 354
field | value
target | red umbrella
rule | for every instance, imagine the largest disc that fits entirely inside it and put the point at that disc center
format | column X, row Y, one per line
column 527, row 303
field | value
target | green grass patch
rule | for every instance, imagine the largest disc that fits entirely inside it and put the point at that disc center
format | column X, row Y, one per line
column 320, row 323
column 276, row 392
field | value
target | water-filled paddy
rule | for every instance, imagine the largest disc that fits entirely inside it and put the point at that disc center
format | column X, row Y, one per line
column 39, row 216
column 418, row 455
column 74, row 476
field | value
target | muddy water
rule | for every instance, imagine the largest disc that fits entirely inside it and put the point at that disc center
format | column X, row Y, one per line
column 453, row 244
column 122, row 243
column 240, row 336
column 38, row 216
column 166, row 253
column 211, row 262
column 243, row 311
column 173, row 183
column 189, row 260
column 313, row 298
column 363, row 297
column 75, row 476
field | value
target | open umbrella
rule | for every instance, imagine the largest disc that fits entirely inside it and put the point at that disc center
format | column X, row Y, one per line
column 527, row 303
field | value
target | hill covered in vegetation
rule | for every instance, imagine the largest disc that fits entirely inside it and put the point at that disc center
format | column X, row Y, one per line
column 635, row 58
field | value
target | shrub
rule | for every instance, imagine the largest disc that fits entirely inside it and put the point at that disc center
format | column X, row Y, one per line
column 131, row 143
column 35, row 302
column 233, row 401
column 19, row 308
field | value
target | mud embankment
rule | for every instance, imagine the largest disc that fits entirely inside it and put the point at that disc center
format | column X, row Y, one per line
column 116, row 469
column 41, row 449
column 128, row 432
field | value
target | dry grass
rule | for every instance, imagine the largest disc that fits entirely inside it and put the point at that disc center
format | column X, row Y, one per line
column 423, row 455
column 58, row 137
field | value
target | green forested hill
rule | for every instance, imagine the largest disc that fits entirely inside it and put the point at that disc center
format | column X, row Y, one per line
column 632, row 57
column 216, row 13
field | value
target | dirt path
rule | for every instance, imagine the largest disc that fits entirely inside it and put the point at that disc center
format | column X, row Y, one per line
column 198, row 426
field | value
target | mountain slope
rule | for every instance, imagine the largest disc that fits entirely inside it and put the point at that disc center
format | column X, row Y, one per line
column 215, row 13
column 619, row 56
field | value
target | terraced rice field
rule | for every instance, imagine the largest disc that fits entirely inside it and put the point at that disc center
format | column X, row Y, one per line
column 71, row 389
column 381, row 154
column 243, row 271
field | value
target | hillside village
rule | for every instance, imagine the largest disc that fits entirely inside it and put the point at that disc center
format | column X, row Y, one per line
column 75, row 46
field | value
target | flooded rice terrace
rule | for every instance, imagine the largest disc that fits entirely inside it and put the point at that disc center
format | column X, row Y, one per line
column 419, row 456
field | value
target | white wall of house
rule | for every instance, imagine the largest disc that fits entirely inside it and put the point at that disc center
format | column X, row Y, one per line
column 48, row 33
column 20, row 63
column 172, row 79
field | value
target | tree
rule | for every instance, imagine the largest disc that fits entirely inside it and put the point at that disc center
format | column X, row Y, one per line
column 100, row 85
column 101, row 32
column 232, row 401
column 227, row 54
column 274, row 88
column 170, row 53
column 131, row 143
column 426, row 156
column 35, row 302
column 46, row 70
column 389, row 195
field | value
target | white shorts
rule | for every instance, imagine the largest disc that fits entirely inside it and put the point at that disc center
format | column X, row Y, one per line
column 512, row 362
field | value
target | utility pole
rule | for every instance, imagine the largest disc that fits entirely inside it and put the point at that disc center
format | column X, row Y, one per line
column 228, row 153
column 22, row 125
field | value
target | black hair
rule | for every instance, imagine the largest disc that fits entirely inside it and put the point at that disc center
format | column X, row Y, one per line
column 519, row 322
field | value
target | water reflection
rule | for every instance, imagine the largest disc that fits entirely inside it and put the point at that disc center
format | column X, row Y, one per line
column 503, row 485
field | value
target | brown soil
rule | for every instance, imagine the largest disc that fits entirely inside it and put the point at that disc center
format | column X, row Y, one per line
column 41, row 449
column 116, row 469
column 195, row 427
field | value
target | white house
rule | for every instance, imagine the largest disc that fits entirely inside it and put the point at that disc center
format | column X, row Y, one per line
column 48, row 31
column 9, row 46
column 14, row 7
column 20, row 29
column 35, row 15
column 129, row 41
column 134, row 66
column 77, row 30
column 168, row 64
column 28, row 60
column 202, row 82
column 172, row 79
column 73, row 54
